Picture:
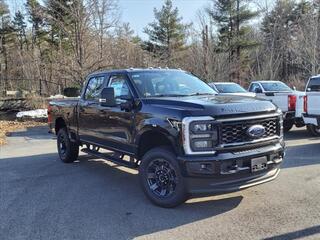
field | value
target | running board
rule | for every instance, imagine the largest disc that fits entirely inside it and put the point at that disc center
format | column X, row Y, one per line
column 110, row 158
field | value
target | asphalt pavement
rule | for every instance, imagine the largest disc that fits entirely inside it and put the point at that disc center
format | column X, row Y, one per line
column 42, row 198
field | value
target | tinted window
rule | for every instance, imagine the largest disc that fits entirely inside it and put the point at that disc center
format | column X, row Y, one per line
column 230, row 88
column 94, row 88
column 121, row 89
column 169, row 83
column 314, row 84
column 276, row 87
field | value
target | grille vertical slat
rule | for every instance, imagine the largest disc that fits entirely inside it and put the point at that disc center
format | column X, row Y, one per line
column 236, row 132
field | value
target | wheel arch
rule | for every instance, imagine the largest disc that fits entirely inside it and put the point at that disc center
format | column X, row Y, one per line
column 151, row 138
column 59, row 123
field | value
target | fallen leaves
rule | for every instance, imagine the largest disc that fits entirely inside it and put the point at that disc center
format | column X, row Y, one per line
column 6, row 127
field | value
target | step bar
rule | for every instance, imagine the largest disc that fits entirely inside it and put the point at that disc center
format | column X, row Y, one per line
column 109, row 157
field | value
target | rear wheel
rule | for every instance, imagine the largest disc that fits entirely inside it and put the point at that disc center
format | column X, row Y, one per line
column 161, row 178
column 68, row 150
column 314, row 130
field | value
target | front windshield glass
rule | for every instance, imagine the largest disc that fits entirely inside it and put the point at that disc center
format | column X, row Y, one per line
column 230, row 88
column 276, row 87
column 169, row 83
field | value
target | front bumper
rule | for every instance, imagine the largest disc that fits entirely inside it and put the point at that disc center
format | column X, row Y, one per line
column 230, row 171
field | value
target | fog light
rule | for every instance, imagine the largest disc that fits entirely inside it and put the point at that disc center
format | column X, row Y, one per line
column 203, row 144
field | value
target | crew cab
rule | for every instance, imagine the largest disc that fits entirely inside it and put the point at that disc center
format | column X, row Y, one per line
column 311, row 116
column 230, row 88
column 288, row 100
column 182, row 137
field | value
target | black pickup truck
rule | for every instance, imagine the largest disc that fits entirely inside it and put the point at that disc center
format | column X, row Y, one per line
column 182, row 137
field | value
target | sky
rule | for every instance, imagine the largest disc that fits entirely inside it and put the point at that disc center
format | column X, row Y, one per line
column 140, row 12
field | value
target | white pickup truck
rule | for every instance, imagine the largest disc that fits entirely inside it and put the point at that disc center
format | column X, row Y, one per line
column 311, row 116
column 288, row 100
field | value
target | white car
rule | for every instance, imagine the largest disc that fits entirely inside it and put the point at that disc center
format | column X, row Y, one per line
column 288, row 100
column 311, row 116
column 230, row 88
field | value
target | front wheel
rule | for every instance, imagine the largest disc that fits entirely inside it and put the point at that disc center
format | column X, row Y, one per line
column 314, row 130
column 68, row 151
column 161, row 178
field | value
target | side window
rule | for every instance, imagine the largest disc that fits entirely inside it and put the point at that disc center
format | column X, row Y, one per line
column 94, row 88
column 121, row 88
column 254, row 87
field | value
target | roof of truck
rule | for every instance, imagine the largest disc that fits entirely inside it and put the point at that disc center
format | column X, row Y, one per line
column 223, row 83
column 265, row 81
column 128, row 70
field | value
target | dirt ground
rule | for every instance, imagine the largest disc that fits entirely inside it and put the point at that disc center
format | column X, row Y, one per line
column 6, row 127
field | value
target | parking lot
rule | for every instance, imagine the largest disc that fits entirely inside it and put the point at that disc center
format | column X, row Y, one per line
column 42, row 198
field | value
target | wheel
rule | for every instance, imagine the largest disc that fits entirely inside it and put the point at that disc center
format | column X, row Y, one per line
column 68, row 151
column 314, row 130
column 161, row 178
column 287, row 125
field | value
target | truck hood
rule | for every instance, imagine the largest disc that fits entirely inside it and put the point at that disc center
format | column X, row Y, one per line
column 213, row 105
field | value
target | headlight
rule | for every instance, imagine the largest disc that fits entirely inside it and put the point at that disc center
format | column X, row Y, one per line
column 200, row 127
column 200, row 135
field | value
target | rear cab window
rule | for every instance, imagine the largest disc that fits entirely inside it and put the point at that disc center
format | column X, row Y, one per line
column 314, row 84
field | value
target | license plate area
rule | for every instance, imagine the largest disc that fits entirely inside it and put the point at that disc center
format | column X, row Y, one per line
column 259, row 164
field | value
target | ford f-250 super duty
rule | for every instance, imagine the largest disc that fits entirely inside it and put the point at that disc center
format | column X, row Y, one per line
column 173, row 128
column 311, row 114
column 288, row 100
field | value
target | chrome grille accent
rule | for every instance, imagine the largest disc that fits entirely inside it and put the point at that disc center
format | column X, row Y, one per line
column 236, row 132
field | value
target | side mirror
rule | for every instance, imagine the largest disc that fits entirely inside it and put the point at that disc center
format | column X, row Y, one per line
column 258, row 90
column 294, row 88
column 308, row 89
column 107, row 98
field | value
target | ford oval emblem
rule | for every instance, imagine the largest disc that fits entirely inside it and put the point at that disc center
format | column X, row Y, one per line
column 256, row 131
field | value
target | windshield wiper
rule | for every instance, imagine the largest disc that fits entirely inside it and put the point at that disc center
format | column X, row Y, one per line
column 200, row 94
column 170, row 95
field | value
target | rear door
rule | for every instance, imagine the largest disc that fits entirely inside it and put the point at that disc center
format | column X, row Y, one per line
column 89, row 109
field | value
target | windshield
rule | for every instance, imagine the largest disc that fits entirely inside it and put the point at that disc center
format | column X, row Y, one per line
column 169, row 83
column 314, row 84
column 230, row 88
column 276, row 87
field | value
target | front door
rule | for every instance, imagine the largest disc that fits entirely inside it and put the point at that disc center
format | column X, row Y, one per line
column 115, row 124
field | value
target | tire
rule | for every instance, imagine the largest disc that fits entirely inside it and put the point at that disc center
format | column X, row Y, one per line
column 287, row 125
column 68, row 151
column 161, row 178
column 314, row 130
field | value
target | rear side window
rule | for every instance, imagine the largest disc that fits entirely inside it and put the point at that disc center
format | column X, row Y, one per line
column 94, row 88
column 314, row 84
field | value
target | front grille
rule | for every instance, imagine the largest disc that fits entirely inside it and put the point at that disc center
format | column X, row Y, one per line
column 236, row 132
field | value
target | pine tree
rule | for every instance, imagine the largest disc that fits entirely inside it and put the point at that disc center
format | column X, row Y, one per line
column 232, row 16
column 20, row 26
column 167, row 34
column 5, row 37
